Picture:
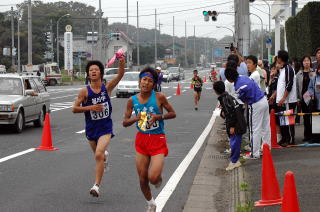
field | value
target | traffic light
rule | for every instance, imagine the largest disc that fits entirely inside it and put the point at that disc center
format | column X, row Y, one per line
column 209, row 13
column 48, row 37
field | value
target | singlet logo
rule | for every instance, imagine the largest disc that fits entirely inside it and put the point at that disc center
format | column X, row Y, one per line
column 106, row 110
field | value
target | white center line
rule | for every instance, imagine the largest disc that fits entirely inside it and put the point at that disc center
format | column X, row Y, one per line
column 16, row 155
column 172, row 183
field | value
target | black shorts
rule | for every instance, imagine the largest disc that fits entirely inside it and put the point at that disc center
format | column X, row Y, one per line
column 197, row 89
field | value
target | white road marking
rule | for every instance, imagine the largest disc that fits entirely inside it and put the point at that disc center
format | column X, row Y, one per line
column 64, row 96
column 16, row 155
column 169, row 97
column 184, row 91
column 172, row 183
column 80, row 132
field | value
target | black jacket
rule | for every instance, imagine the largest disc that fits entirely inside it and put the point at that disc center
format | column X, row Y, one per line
column 233, row 114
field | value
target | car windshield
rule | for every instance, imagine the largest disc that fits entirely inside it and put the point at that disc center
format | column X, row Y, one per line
column 130, row 77
column 55, row 70
column 173, row 69
column 10, row 86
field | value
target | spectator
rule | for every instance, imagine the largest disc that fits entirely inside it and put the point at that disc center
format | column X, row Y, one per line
column 314, row 91
column 303, row 79
column 235, row 122
column 160, row 77
column 263, row 75
column 241, row 67
column 296, row 65
column 251, row 62
column 272, row 91
column 259, row 120
column 317, row 62
column 229, row 87
column 286, row 95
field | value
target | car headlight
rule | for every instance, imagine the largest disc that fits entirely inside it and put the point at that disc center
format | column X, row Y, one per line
column 7, row 108
column 120, row 86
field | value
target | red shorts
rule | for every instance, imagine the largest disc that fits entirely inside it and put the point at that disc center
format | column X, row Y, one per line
column 151, row 144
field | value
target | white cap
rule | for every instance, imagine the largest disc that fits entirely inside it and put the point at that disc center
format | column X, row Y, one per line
column 158, row 68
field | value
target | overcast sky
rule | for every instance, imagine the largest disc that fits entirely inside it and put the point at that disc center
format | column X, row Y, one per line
column 116, row 11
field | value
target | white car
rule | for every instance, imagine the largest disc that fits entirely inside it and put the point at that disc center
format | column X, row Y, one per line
column 167, row 76
column 128, row 85
column 110, row 73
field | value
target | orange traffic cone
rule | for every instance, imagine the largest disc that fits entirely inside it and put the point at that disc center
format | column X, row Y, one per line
column 290, row 198
column 191, row 86
column 46, row 143
column 178, row 90
column 274, row 140
column 270, row 193
column 204, row 79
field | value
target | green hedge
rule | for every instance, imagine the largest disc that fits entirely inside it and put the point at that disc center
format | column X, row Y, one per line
column 303, row 31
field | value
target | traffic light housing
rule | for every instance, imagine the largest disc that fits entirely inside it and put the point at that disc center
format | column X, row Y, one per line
column 48, row 37
column 207, row 14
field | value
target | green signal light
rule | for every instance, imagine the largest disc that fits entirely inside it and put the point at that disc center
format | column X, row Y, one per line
column 205, row 13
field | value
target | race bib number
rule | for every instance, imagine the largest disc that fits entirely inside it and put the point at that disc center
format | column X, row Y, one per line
column 102, row 114
column 154, row 126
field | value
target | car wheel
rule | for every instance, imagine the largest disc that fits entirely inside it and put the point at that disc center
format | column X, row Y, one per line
column 19, row 125
column 52, row 82
column 39, row 122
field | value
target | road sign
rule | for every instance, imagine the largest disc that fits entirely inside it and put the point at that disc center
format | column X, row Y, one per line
column 68, row 51
column 217, row 52
column 268, row 45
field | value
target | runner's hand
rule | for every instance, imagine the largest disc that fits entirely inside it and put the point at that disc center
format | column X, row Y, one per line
column 153, row 119
column 138, row 117
column 97, row 108
column 231, row 131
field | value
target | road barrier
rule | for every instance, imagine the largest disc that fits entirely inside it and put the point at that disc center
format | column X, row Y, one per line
column 178, row 92
column 270, row 192
column 46, row 143
column 290, row 201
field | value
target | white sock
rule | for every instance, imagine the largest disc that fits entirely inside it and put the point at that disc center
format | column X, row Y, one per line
column 151, row 202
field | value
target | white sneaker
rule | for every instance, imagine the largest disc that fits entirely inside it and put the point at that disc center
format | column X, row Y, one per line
column 94, row 191
column 158, row 184
column 247, row 148
column 232, row 166
column 250, row 157
column 106, row 158
column 151, row 208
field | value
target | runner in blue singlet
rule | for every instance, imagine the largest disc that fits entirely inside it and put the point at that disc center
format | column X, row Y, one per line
column 94, row 102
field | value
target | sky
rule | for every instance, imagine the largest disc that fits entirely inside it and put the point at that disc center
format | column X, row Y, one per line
column 166, row 9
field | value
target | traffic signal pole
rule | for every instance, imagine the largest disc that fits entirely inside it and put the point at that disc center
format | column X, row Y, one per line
column 155, row 38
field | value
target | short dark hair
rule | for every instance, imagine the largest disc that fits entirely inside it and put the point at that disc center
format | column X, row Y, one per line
column 232, row 63
column 219, row 87
column 97, row 63
column 152, row 72
column 231, row 73
column 233, row 57
column 195, row 71
column 318, row 49
column 253, row 58
column 283, row 55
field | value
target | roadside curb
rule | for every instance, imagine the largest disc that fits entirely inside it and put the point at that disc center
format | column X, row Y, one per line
column 213, row 188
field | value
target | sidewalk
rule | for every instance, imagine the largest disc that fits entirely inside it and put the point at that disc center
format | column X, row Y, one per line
column 303, row 161
column 214, row 189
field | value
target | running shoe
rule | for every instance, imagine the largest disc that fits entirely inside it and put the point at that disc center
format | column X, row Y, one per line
column 94, row 191
column 232, row 166
column 151, row 208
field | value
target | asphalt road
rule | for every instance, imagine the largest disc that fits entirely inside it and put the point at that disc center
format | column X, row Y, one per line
column 60, row 180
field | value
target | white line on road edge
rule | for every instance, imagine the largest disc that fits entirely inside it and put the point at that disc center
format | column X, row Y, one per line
column 172, row 183
column 16, row 155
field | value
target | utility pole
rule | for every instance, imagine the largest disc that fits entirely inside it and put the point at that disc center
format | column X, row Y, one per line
column 100, row 34
column 127, row 32
column 173, row 55
column 155, row 38
column 92, row 30
column 138, row 39
column 159, row 31
column 294, row 6
column 194, row 47
column 12, row 36
column 29, row 33
column 262, row 39
column 18, row 28
column 185, row 44
column 51, row 39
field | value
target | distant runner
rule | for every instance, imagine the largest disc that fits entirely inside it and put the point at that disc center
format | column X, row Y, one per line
column 197, row 86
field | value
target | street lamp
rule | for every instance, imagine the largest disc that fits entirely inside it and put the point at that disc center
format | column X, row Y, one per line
column 261, row 34
column 66, row 15
column 269, row 49
column 219, row 27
